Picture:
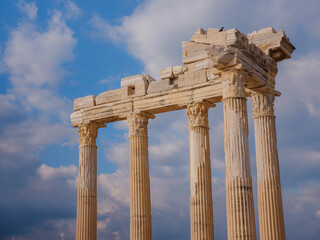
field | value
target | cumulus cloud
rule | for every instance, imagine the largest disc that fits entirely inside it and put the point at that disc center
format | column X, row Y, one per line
column 30, row 9
column 33, row 60
column 50, row 173
column 34, row 115
column 302, row 202
column 154, row 32
column 102, row 29
column 299, row 77
column 73, row 12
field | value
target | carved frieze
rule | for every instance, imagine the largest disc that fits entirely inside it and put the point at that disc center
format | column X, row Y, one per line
column 198, row 114
column 138, row 123
column 262, row 104
column 88, row 133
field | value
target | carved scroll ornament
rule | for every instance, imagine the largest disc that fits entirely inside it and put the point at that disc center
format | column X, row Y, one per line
column 198, row 114
column 138, row 123
column 262, row 104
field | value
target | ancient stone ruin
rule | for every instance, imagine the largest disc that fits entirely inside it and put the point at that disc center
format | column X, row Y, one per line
column 219, row 66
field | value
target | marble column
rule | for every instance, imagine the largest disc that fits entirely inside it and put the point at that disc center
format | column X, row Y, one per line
column 87, row 182
column 239, row 195
column 201, row 212
column 140, row 202
column 271, row 221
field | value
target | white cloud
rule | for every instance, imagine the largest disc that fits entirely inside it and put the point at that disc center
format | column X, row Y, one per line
column 101, row 225
column 302, row 202
column 49, row 173
column 298, row 79
column 29, row 8
column 33, row 60
column 33, row 115
column 154, row 32
column 72, row 10
column 33, row 133
column 103, row 29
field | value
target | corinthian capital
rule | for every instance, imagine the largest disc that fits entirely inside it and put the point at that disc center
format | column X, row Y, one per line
column 138, row 123
column 233, row 84
column 262, row 104
column 88, row 133
column 198, row 114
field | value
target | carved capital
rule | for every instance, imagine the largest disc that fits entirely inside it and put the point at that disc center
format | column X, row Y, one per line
column 198, row 114
column 233, row 84
column 262, row 104
column 138, row 123
column 88, row 133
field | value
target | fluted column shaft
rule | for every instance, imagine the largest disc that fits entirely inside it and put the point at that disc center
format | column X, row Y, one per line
column 239, row 194
column 271, row 220
column 140, row 202
column 201, row 212
column 87, row 183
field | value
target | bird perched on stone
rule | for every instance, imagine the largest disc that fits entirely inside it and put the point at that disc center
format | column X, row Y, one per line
column 221, row 29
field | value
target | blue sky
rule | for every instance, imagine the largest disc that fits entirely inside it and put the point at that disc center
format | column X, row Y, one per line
column 52, row 51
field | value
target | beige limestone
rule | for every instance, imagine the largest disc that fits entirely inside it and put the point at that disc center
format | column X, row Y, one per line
column 211, row 36
column 84, row 102
column 178, row 70
column 203, row 62
column 111, row 96
column 239, row 193
column 217, row 66
column 271, row 221
column 136, row 79
column 193, row 52
column 161, row 85
column 201, row 211
column 274, row 44
column 140, row 202
column 87, row 183
column 166, row 73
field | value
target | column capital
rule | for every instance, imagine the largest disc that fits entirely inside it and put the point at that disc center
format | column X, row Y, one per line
column 138, row 123
column 198, row 114
column 233, row 84
column 262, row 104
column 88, row 133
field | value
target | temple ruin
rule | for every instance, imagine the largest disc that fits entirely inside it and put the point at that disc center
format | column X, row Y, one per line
column 219, row 66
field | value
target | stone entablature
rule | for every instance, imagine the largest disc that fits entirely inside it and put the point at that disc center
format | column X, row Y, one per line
column 207, row 56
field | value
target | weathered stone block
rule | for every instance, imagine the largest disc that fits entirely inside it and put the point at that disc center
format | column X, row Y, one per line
column 275, row 44
column 133, row 80
column 76, row 118
column 111, row 96
column 161, row 85
column 211, row 36
column 193, row 52
column 217, row 38
column 177, row 70
column 166, row 73
column 140, row 89
column 191, row 78
column 137, row 90
column 204, row 64
column 84, row 102
column 213, row 74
